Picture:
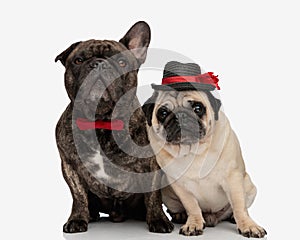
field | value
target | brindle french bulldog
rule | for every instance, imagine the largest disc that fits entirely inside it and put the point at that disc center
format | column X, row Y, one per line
column 98, row 176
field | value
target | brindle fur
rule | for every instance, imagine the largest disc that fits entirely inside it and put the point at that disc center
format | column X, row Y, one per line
column 90, row 196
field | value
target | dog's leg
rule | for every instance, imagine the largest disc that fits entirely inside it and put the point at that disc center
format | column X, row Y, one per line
column 155, row 217
column 117, row 213
column 195, row 222
column 79, row 218
column 94, row 207
column 250, row 190
column 237, row 187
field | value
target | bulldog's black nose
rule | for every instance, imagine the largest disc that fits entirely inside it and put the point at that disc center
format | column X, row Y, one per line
column 99, row 63
column 94, row 64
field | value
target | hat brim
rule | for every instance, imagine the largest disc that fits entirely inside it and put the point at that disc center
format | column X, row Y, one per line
column 184, row 86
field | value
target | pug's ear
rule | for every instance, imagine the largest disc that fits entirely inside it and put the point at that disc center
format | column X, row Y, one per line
column 64, row 55
column 137, row 40
column 215, row 104
column 217, row 107
column 148, row 108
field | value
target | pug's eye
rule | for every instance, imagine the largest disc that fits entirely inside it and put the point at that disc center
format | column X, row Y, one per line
column 198, row 108
column 122, row 63
column 78, row 61
column 162, row 113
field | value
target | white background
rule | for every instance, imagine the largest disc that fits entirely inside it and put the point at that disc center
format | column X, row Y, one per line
column 252, row 45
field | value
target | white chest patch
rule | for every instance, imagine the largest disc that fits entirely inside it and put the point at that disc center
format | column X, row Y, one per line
column 96, row 166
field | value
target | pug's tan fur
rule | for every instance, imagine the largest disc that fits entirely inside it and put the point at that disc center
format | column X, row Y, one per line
column 207, row 178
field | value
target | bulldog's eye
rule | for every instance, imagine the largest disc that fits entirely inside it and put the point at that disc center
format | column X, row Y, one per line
column 162, row 113
column 198, row 108
column 122, row 63
column 78, row 61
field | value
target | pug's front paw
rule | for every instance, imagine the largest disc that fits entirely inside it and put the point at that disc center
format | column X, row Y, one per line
column 193, row 227
column 251, row 229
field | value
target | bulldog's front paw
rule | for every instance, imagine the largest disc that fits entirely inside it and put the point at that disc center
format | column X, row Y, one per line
column 193, row 227
column 161, row 226
column 75, row 226
column 252, row 230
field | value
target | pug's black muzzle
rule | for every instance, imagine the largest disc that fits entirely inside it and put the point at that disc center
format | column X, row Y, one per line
column 183, row 127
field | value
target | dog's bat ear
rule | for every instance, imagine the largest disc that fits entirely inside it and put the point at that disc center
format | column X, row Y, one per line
column 215, row 104
column 137, row 40
column 148, row 107
column 64, row 55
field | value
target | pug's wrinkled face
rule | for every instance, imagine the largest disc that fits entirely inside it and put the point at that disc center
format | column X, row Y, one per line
column 181, row 118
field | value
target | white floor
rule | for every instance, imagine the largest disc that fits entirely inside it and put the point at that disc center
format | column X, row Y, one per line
column 138, row 230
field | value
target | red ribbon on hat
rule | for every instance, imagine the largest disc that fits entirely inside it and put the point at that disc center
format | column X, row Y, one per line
column 206, row 78
column 85, row 124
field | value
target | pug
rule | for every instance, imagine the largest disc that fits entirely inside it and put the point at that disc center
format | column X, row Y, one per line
column 200, row 154
column 97, row 167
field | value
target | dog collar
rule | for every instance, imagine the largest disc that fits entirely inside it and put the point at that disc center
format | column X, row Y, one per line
column 85, row 124
column 206, row 78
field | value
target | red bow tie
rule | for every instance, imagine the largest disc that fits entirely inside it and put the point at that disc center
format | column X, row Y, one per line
column 85, row 124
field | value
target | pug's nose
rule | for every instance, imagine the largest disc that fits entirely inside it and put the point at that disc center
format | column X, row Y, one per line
column 181, row 116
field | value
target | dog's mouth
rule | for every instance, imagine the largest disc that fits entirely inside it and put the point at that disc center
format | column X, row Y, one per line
column 183, row 140
column 186, row 135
